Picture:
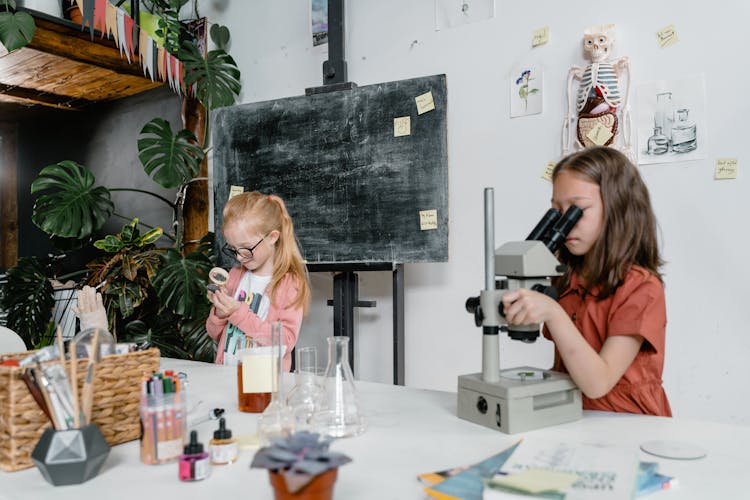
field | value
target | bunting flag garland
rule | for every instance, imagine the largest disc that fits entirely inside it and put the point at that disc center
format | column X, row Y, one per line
column 135, row 39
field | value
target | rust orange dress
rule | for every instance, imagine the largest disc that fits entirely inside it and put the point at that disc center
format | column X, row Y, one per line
column 636, row 307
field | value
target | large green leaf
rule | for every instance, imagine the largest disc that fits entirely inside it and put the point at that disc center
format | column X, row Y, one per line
column 172, row 159
column 16, row 29
column 28, row 299
column 181, row 282
column 217, row 77
column 71, row 207
column 159, row 332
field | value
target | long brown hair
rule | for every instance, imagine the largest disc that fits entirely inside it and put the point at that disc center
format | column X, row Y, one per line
column 266, row 213
column 629, row 228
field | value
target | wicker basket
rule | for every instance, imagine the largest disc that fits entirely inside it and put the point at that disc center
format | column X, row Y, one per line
column 117, row 392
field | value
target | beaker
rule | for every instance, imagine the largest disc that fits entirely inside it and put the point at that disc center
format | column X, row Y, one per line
column 307, row 394
column 339, row 415
column 254, row 378
column 664, row 115
column 277, row 419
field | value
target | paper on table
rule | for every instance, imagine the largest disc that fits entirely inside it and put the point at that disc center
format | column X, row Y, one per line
column 604, row 471
column 535, row 481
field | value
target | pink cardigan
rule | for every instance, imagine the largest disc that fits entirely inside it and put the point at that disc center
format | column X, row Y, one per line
column 252, row 325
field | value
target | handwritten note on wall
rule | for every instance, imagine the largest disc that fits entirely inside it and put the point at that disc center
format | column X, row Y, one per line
column 540, row 36
column 726, row 168
column 547, row 174
column 667, row 36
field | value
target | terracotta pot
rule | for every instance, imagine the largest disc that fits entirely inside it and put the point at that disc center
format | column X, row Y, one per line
column 73, row 13
column 320, row 488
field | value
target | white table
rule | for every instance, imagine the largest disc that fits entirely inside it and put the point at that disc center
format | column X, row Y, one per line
column 410, row 431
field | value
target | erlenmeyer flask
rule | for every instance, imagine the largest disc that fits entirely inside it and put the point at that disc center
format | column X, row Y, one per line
column 339, row 415
column 307, row 394
column 277, row 419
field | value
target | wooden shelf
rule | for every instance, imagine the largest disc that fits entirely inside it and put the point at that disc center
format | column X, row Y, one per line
column 63, row 68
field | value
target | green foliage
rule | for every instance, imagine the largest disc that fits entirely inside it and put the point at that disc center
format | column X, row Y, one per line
column 71, row 207
column 28, row 299
column 171, row 160
column 220, row 36
column 16, row 28
column 170, row 25
column 217, row 76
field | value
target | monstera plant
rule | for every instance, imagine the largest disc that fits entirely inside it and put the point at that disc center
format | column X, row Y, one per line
column 16, row 28
column 152, row 293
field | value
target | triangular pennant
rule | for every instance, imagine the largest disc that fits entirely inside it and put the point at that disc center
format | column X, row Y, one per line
column 100, row 16
column 160, row 63
column 88, row 16
column 154, row 51
column 168, row 64
column 111, row 22
column 142, row 49
column 121, row 33
column 129, row 34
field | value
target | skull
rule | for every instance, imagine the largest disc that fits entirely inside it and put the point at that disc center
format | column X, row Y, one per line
column 597, row 42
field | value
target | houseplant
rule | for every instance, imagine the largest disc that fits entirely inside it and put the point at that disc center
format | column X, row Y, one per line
column 300, row 466
column 16, row 28
column 151, row 293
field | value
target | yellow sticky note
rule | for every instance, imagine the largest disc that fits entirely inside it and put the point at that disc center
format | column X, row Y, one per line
column 547, row 174
column 235, row 190
column 425, row 103
column 427, row 219
column 726, row 168
column 540, row 36
column 401, row 126
column 599, row 134
column 667, row 36
column 535, row 481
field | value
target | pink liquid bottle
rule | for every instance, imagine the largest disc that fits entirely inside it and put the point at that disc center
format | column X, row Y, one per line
column 194, row 462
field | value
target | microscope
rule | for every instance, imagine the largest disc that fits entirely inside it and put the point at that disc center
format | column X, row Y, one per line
column 524, row 398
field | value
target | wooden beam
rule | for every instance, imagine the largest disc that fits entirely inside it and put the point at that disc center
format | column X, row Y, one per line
column 24, row 95
column 8, row 196
column 60, row 39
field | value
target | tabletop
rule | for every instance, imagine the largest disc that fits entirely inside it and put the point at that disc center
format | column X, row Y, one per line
column 409, row 431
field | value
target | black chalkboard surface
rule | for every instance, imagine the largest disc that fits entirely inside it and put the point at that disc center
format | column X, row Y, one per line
column 353, row 189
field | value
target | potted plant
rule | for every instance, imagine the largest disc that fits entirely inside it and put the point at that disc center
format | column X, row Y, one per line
column 151, row 293
column 300, row 466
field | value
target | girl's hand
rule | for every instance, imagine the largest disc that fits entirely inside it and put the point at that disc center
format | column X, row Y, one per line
column 224, row 305
column 527, row 307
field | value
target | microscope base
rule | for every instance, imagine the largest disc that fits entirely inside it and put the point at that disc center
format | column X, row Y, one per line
column 513, row 405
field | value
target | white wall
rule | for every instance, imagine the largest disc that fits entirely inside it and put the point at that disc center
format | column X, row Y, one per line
column 704, row 234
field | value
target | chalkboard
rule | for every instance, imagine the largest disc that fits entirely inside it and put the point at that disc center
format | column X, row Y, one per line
column 353, row 189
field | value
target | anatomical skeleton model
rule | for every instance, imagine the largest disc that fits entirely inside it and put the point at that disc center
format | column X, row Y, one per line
column 599, row 98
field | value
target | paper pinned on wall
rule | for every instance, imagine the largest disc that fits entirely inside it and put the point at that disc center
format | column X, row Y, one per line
column 547, row 174
column 726, row 168
column 526, row 91
column 667, row 36
column 235, row 190
column 540, row 36
column 401, row 126
column 424, row 102
column 427, row 219
column 452, row 13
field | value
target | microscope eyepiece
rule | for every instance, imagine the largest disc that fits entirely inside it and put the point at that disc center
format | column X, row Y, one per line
column 562, row 227
column 543, row 226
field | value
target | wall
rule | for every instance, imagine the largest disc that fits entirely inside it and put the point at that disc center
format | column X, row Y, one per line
column 700, row 219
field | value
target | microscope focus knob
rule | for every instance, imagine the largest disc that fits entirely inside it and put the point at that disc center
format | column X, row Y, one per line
column 472, row 306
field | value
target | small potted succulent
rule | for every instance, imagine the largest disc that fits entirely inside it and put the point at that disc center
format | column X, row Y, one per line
column 300, row 466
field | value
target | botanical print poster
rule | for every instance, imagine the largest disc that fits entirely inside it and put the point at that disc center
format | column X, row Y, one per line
column 672, row 120
column 319, row 21
column 526, row 91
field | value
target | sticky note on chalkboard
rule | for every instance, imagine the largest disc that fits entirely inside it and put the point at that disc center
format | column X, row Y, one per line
column 726, row 168
column 667, row 36
column 547, row 174
column 599, row 134
column 540, row 36
column 235, row 190
column 425, row 103
column 401, row 126
column 427, row 219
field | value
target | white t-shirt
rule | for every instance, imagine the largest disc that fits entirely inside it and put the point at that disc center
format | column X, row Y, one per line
column 251, row 291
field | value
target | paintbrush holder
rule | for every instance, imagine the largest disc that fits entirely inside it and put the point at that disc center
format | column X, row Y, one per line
column 70, row 456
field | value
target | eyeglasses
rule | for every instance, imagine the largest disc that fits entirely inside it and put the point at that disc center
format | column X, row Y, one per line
column 241, row 253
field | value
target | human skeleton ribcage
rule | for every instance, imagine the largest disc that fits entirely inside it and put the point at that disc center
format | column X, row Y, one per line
column 601, row 77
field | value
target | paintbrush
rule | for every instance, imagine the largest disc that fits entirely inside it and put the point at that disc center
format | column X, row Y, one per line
column 60, row 345
column 88, row 385
column 36, row 392
column 74, row 384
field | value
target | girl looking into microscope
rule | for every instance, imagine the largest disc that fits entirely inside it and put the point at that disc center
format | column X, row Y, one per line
column 609, row 324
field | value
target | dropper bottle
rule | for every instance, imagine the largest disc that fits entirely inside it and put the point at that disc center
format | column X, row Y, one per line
column 223, row 447
column 194, row 464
